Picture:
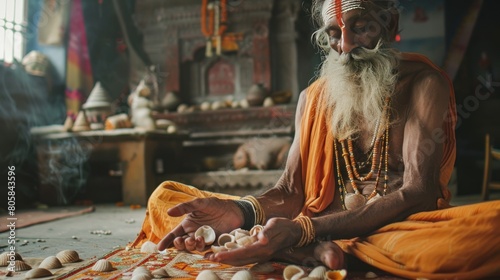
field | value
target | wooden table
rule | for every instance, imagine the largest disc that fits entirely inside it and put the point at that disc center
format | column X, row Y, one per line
column 135, row 156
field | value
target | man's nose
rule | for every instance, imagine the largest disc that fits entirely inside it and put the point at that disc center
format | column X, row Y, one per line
column 348, row 41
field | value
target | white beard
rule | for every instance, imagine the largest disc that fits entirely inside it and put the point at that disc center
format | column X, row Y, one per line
column 357, row 85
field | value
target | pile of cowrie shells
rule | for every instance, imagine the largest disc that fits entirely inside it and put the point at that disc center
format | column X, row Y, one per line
column 211, row 275
column 43, row 270
column 228, row 241
column 294, row 272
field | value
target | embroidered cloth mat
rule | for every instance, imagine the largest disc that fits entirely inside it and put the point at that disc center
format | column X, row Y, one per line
column 180, row 266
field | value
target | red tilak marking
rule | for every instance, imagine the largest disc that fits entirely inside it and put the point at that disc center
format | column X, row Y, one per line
column 338, row 13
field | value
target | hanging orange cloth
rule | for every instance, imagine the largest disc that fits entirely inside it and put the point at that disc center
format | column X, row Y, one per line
column 316, row 147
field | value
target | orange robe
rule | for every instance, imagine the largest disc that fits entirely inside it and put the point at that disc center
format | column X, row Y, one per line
column 455, row 243
column 459, row 242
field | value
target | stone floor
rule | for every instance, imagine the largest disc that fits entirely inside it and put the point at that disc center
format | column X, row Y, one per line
column 47, row 239
column 118, row 226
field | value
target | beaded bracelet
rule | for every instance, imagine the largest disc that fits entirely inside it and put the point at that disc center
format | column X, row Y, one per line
column 308, row 232
column 246, row 208
column 260, row 216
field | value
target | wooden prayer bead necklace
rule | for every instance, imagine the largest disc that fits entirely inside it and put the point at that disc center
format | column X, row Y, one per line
column 380, row 151
column 369, row 153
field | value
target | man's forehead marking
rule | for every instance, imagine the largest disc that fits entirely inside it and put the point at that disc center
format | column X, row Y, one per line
column 332, row 8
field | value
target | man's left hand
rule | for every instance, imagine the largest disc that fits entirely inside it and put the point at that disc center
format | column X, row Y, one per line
column 278, row 233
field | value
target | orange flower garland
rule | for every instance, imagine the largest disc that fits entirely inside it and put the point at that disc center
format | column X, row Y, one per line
column 215, row 25
column 223, row 17
column 204, row 28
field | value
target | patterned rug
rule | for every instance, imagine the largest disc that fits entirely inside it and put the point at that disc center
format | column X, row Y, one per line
column 179, row 265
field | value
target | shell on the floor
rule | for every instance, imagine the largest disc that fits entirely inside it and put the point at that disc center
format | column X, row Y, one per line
column 207, row 233
column 207, row 275
column 160, row 273
column 5, row 258
column 38, row 272
column 103, row 265
column 21, row 266
column 149, row 247
column 293, row 272
column 141, row 270
column 336, row 274
column 50, row 262
column 141, row 277
column 242, row 275
column 68, row 256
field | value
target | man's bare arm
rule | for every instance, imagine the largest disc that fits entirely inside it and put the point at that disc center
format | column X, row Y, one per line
column 286, row 198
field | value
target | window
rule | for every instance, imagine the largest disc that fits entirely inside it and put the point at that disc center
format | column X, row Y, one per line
column 12, row 28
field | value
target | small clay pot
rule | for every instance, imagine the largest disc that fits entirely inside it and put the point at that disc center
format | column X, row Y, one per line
column 256, row 95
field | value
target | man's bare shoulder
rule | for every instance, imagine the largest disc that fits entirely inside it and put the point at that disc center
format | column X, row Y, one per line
column 419, row 67
column 419, row 73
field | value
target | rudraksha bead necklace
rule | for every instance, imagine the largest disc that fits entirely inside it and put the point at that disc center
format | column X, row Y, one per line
column 379, row 155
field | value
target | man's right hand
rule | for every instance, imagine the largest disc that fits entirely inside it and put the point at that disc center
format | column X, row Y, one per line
column 222, row 215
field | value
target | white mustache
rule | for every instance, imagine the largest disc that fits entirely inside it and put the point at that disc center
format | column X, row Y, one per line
column 360, row 54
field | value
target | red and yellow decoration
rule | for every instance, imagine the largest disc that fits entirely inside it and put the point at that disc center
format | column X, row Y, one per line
column 214, row 27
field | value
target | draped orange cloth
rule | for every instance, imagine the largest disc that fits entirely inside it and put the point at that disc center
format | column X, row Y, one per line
column 157, row 222
column 456, row 243
column 317, row 154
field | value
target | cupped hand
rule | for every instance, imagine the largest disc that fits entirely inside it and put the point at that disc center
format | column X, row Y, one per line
column 221, row 215
column 278, row 234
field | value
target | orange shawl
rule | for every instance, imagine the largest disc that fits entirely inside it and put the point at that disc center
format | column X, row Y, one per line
column 316, row 147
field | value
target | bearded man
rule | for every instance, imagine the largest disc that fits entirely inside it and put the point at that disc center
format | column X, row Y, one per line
column 367, row 172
